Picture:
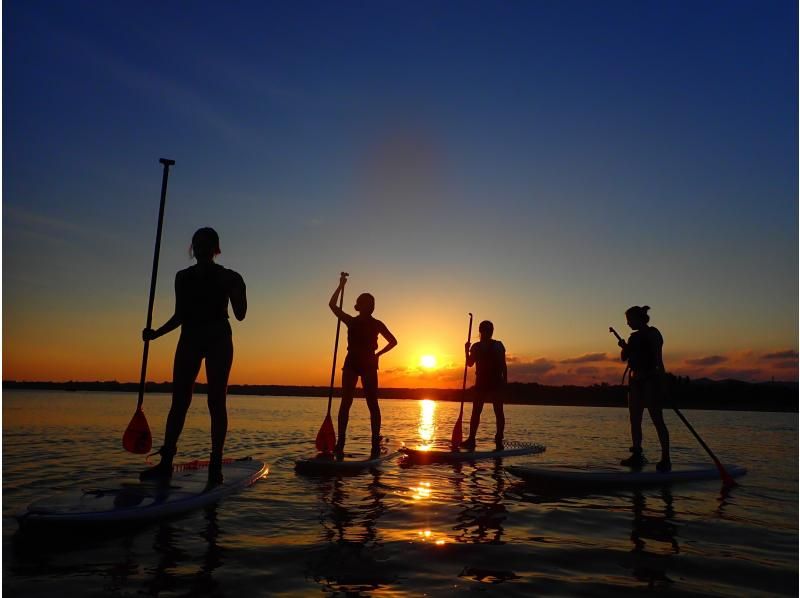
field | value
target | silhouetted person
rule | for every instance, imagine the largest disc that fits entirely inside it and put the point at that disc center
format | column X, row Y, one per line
column 491, row 376
column 361, row 361
column 642, row 351
column 202, row 293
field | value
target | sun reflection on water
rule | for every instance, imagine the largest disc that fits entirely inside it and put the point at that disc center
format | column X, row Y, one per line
column 427, row 424
column 422, row 491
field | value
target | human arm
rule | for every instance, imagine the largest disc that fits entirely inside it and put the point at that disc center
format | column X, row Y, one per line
column 504, row 367
column 148, row 334
column 391, row 341
column 238, row 296
column 339, row 312
column 470, row 354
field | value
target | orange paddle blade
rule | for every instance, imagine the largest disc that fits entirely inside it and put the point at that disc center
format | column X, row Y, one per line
column 455, row 439
column 137, row 438
column 326, row 437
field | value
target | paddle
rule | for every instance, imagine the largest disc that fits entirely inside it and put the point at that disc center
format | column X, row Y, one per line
column 455, row 439
column 137, row 438
column 326, row 437
column 727, row 479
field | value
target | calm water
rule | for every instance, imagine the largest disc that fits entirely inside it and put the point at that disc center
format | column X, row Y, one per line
column 436, row 530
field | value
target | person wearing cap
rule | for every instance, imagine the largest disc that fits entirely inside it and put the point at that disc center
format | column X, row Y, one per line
column 361, row 362
column 643, row 352
column 491, row 377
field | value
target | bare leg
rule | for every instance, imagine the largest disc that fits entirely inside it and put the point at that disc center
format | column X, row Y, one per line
column 475, row 418
column 184, row 372
column 500, row 417
column 349, row 379
column 635, row 411
column 218, row 369
column 657, row 415
column 370, row 382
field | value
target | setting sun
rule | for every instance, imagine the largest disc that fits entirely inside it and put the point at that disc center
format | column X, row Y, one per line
column 427, row 361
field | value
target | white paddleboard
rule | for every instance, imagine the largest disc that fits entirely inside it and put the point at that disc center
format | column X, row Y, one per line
column 327, row 465
column 619, row 475
column 135, row 501
column 421, row 456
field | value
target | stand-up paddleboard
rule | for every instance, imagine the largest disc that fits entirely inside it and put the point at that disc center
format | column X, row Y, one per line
column 423, row 457
column 134, row 501
column 327, row 465
column 618, row 475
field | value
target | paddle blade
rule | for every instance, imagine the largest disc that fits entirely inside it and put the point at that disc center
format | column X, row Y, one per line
column 326, row 437
column 137, row 438
column 456, row 438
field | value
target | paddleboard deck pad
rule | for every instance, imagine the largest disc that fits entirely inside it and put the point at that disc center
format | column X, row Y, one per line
column 619, row 475
column 422, row 457
column 327, row 465
column 133, row 501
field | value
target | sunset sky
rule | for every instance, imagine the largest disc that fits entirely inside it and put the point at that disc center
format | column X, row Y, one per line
column 544, row 165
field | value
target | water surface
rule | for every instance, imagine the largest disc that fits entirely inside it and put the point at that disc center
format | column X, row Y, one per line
column 434, row 530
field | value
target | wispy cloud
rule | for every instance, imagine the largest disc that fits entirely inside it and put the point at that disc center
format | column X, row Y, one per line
column 706, row 361
column 587, row 358
column 788, row 354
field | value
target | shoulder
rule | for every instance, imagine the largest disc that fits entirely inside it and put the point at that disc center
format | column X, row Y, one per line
column 499, row 346
column 232, row 276
column 182, row 275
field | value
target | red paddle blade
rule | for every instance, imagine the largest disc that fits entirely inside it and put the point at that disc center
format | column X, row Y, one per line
column 137, row 438
column 455, row 439
column 326, row 437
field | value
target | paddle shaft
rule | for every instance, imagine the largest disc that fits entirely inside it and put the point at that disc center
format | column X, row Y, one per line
column 335, row 350
column 167, row 163
column 726, row 477
column 466, row 367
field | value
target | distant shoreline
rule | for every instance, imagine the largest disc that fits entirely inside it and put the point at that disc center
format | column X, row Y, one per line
column 730, row 395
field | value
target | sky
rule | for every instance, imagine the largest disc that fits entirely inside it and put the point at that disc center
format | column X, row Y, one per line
column 543, row 165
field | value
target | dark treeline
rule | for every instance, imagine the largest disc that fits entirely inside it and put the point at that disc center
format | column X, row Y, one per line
column 684, row 393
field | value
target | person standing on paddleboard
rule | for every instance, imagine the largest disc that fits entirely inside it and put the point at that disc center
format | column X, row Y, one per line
column 202, row 293
column 646, row 382
column 361, row 361
column 491, row 377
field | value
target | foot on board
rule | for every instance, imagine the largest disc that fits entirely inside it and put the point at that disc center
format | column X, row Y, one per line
column 637, row 459
column 664, row 466
column 338, row 453
column 162, row 471
column 468, row 444
column 498, row 444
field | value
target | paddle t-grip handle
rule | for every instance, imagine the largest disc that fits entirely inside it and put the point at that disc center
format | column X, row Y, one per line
column 614, row 332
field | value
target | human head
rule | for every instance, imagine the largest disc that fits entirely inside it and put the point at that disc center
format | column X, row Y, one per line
column 637, row 316
column 205, row 244
column 365, row 304
column 486, row 329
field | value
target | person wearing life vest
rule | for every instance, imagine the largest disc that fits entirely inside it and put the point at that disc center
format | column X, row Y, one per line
column 491, row 375
column 361, row 362
column 202, row 294
column 646, row 385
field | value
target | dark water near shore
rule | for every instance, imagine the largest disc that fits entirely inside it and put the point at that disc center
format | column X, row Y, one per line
column 436, row 530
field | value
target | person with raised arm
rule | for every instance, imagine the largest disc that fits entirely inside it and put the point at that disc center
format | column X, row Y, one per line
column 202, row 294
column 361, row 362
column 643, row 352
column 491, row 377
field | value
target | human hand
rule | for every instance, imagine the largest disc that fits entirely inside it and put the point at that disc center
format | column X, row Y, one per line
column 343, row 279
column 148, row 334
